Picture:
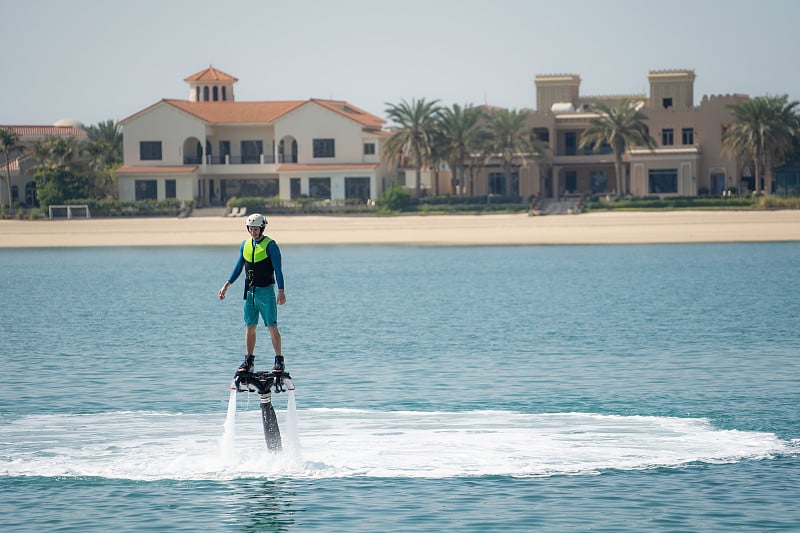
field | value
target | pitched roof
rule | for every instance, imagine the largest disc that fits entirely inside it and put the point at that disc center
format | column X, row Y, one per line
column 267, row 112
column 236, row 112
column 210, row 74
column 352, row 112
column 42, row 131
column 11, row 166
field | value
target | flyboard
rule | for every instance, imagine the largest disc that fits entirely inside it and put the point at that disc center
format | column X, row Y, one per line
column 264, row 384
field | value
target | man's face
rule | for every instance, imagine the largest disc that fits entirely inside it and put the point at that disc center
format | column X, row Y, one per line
column 255, row 231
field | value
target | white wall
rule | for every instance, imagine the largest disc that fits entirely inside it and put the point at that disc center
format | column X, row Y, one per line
column 312, row 121
column 164, row 123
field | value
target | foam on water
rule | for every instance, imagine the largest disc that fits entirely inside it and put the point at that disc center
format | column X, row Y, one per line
column 344, row 442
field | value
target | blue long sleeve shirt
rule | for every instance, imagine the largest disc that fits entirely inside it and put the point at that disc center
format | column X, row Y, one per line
column 274, row 252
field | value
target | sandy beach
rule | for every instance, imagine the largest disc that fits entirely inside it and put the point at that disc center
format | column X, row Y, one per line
column 444, row 230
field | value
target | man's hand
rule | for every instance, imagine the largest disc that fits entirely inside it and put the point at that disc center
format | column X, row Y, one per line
column 281, row 297
column 223, row 290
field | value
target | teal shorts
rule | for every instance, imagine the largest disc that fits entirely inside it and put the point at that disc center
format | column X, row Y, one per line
column 261, row 301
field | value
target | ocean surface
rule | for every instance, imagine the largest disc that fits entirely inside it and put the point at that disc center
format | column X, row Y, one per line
column 556, row 388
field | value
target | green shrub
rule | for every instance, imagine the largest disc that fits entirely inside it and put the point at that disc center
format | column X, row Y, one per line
column 395, row 198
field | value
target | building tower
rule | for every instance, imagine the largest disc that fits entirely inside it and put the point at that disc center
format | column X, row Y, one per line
column 211, row 85
column 672, row 89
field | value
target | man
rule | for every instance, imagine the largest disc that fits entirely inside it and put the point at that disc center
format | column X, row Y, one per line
column 260, row 257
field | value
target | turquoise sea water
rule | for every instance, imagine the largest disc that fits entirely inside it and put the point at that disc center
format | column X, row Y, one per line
column 575, row 388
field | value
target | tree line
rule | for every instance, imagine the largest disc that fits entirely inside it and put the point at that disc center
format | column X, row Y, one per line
column 67, row 168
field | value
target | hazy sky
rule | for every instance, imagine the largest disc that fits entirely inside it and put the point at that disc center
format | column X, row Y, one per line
column 95, row 60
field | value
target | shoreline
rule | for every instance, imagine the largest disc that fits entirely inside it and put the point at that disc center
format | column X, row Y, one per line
column 634, row 227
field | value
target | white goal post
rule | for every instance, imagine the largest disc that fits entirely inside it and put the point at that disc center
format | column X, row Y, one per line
column 69, row 211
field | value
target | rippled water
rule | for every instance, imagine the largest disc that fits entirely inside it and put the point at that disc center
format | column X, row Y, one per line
column 602, row 388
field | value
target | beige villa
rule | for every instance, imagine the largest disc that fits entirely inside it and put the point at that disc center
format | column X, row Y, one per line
column 211, row 147
column 687, row 161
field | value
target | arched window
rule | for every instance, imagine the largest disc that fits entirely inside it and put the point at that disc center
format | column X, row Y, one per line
column 216, row 93
column 205, row 93
column 197, row 94
column 224, row 94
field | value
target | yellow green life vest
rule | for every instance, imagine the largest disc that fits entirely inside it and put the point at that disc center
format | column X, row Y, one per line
column 257, row 263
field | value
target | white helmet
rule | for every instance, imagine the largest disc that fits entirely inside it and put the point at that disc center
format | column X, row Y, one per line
column 256, row 220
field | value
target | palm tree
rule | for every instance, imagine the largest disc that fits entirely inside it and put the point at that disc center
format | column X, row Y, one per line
column 103, row 145
column 437, row 155
column 9, row 142
column 415, row 126
column 508, row 138
column 460, row 127
column 764, row 132
column 617, row 127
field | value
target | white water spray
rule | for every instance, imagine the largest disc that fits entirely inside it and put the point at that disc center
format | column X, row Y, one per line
column 291, row 441
column 228, row 441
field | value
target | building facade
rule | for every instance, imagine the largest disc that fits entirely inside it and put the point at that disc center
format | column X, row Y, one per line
column 22, row 166
column 211, row 147
column 687, row 161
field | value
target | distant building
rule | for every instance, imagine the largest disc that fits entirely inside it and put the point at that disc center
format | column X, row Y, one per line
column 22, row 165
column 211, row 147
column 687, row 161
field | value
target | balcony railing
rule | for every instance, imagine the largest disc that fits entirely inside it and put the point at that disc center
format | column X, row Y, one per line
column 605, row 150
column 263, row 159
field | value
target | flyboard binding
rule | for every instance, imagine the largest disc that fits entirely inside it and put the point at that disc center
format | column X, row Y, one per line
column 264, row 383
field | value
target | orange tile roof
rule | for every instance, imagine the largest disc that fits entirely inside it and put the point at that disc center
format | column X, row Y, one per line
column 153, row 169
column 289, row 167
column 41, row 131
column 352, row 112
column 12, row 165
column 210, row 74
column 267, row 112
column 236, row 112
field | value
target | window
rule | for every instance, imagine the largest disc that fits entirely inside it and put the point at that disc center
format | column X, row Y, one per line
column 687, row 135
column 294, row 188
column 369, row 148
column 224, row 94
column 666, row 102
column 570, row 143
column 599, row 181
column 663, row 181
column 216, row 93
column 150, row 150
column 170, row 189
column 319, row 188
column 251, row 151
column 356, row 189
column 571, row 184
column 324, row 148
column 717, row 183
column 667, row 137
column 497, row 183
column 146, row 189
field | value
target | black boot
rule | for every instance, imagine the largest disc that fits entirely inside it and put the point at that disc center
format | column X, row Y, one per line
column 280, row 366
column 239, row 380
column 249, row 364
